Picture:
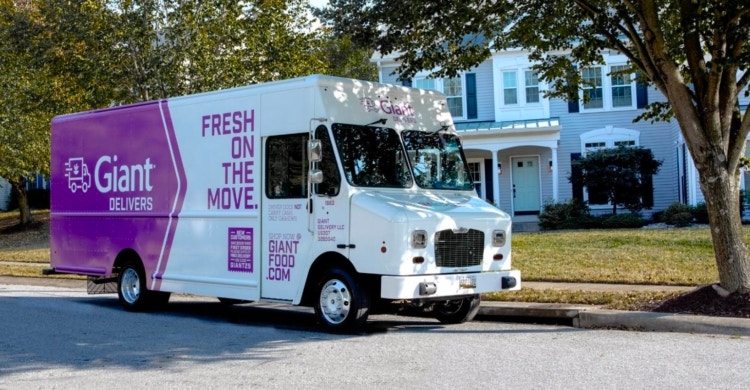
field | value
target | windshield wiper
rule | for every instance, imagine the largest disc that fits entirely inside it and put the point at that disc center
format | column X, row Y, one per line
column 441, row 129
column 380, row 121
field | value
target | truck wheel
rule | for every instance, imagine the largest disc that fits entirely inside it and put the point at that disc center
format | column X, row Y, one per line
column 342, row 305
column 132, row 292
column 457, row 311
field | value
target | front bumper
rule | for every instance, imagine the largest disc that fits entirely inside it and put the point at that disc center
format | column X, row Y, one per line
column 448, row 285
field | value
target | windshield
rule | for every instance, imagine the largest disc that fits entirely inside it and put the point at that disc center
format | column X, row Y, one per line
column 437, row 160
column 372, row 156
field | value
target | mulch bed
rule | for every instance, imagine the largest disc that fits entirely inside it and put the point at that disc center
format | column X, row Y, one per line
column 706, row 301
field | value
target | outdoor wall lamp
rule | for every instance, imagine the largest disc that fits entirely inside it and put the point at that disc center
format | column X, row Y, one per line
column 499, row 168
column 550, row 166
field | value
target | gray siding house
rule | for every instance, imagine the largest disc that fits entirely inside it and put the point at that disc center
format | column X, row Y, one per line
column 521, row 145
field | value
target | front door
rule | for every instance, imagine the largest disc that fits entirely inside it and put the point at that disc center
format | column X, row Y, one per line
column 525, row 175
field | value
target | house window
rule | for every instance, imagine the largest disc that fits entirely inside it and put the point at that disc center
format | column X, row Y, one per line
column 510, row 88
column 610, row 88
column 532, row 86
column 592, row 78
column 454, row 92
column 622, row 87
column 475, row 171
column 451, row 87
column 609, row 137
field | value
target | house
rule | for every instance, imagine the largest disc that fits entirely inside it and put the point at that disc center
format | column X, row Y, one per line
column 33, row 182
column 521, row 145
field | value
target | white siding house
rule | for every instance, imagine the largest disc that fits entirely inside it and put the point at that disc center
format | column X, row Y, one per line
column 521, row 145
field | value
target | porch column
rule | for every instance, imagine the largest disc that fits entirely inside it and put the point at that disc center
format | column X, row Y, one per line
column 496, row 181
column 555, row 178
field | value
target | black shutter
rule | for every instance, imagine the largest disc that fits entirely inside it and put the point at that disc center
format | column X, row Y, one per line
column 641, row 94
column 489, row 180
column 573, row 104
column 575, row 171
column 471, row 96
column 647, row 189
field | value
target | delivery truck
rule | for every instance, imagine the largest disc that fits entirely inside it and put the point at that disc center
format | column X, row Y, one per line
column 347, row 196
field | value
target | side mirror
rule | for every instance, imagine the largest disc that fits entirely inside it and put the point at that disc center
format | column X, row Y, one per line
column 314, row 150
column 316, row 176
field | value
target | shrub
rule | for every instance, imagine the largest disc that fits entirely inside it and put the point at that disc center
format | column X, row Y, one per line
column 700, row 213
column 623, row 221
column 670, row 214
column 564, row 215
column 657, row 217
column 682, row 219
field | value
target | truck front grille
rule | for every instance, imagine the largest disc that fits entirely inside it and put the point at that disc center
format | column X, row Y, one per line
column 459, row 249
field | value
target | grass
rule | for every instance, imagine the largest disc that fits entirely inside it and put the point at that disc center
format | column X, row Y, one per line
column 638, row 256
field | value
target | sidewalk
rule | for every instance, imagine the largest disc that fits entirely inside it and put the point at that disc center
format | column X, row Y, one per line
column 579, row 316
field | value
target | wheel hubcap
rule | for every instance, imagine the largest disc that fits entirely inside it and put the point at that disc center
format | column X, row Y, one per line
column 335, row 301
column 131, row 286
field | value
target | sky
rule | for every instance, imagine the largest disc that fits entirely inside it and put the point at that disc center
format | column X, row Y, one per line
column 318, row 3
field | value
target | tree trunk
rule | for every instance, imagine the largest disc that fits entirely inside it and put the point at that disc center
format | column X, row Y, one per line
column 721, row 191
column 19, row 189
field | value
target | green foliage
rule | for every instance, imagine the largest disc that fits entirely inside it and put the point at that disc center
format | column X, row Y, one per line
column 619, row 174
column 571, row 215
column 700, row 213
column 61, row 56
column 678, row 214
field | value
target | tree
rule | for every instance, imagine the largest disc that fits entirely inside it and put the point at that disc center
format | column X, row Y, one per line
column 345, row 57
column 695, row 52
column 51, row 63
column 619, row 174
column 61, row 56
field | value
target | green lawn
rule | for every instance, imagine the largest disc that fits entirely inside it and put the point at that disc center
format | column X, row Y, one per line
column 643, row 256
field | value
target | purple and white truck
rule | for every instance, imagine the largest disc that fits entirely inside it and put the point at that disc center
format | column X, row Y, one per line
column 348, row 196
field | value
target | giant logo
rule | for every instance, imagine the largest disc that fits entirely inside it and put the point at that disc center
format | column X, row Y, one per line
column 112, row 177
column 387, row 107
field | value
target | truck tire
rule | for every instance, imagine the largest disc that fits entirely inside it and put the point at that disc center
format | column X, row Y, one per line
column 342, row 304
column 457, row 311
column 132, row 292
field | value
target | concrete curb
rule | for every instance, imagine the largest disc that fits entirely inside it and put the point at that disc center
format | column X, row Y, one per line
column 593, row 317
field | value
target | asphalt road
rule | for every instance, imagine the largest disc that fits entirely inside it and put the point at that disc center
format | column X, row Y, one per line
column 56, row 337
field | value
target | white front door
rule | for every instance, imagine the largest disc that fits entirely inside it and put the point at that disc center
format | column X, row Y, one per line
column 525, row 175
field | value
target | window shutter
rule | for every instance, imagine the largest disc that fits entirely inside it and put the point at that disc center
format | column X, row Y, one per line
column 406, row 83
column 490, row 174
column 573, row 107
column 647, row 189
column 575, row 170
column 471, row 96
column 641, row 94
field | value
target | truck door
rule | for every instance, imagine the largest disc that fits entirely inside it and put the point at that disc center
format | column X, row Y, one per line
column 330, row 216
column 286, row 237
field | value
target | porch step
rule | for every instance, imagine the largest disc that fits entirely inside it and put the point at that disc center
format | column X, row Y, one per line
column 532, row 226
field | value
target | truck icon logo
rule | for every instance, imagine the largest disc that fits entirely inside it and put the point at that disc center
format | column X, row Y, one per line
column 78, row 174
column 369, row 105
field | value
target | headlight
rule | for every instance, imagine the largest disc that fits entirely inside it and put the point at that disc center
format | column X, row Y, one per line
column 498, row 238
column 419, row 239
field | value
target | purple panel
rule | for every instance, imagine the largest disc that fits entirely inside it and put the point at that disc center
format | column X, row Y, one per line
column 117, row 183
